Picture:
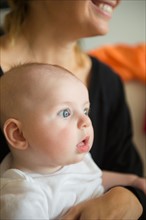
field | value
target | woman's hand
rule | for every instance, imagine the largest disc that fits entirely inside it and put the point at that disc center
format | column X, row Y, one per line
column 117, row 203
column 140, row 183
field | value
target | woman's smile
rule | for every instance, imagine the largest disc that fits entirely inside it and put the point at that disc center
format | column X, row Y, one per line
column 105, row 7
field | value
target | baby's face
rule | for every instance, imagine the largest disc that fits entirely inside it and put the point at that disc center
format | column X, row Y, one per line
column 58, row 129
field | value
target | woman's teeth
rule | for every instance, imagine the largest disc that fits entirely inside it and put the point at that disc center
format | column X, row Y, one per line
column 105, row 8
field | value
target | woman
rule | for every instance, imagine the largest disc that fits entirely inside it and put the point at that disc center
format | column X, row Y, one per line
column 47, row 31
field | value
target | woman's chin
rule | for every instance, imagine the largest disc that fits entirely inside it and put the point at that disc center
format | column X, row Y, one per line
column 98, row 31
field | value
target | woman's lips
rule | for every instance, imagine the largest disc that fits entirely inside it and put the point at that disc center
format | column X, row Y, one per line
column 105, row 7
column 84, row 146
column 112, row 3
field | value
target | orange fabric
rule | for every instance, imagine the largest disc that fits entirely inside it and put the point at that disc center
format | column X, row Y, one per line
column 128, row 61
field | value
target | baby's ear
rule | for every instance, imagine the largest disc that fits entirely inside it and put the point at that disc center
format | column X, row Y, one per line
column 14, row 134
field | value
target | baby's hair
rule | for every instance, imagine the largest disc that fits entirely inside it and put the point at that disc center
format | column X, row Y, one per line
column 16, row 85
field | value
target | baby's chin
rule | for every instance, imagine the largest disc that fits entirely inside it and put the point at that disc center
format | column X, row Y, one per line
column 78, row 158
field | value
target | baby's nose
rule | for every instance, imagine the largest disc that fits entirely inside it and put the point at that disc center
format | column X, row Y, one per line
column 84, row 121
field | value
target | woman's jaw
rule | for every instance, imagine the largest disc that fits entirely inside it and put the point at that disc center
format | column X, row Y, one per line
column 101, row 12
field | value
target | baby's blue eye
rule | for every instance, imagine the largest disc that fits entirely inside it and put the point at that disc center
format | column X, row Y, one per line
column 65, row 113
column 86, row 111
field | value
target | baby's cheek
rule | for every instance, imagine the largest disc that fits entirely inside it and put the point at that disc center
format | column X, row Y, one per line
column 69, row 133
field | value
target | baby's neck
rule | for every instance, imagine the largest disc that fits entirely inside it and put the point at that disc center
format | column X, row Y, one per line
column 32, row 168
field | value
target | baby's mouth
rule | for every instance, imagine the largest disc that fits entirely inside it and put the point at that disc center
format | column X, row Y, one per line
column 84, row 145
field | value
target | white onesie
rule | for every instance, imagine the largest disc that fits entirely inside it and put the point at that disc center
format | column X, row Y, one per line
column 34, row 196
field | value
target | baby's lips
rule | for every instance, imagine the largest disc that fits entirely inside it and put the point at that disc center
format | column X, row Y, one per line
column 83, row 146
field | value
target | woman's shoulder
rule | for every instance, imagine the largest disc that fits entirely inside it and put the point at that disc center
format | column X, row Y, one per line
column 102, row 70
column 1, row 71
column 105, row 82
column 103, row 75
column 8, row 53
column 1, row 60
column 4, row 53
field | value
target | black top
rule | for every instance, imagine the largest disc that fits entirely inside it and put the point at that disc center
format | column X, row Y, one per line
column 112, row 148
column 3, row 4
column 3, row 146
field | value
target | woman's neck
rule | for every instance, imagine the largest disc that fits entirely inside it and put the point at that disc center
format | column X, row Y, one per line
column 49, row 44
column 46, row 49
column 46, row 43
column 36, row 44
column 50, row 51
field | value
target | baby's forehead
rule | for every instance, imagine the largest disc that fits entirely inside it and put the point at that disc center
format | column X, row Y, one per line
column 38, row 78
column 34, row 71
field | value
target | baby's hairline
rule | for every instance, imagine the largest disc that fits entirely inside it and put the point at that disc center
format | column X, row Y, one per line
column 30, row 65
column 32, row 72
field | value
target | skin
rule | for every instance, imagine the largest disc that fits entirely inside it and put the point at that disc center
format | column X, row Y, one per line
column 49, row 112
column 48, row 44
column 100, row 208
column 111, row 179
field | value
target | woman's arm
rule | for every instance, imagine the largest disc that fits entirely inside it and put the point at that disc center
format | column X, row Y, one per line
column 117, row 203
column 111, row 179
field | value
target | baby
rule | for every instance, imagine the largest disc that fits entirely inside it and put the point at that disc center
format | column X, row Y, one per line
column 44, row 117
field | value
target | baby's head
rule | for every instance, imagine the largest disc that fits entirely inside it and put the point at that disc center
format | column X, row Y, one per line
column 44, row 115
column 23, row 87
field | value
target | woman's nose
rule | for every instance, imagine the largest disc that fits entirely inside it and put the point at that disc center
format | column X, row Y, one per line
column 84, row 121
